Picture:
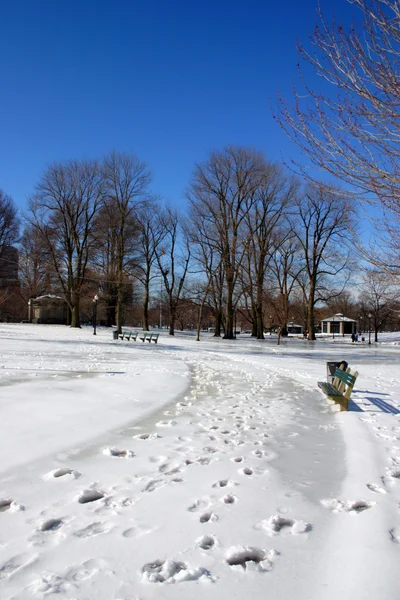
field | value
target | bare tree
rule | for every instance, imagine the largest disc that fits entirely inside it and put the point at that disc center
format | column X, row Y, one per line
column 272, row 196
column 173, row 259
column 222, row 191
column 378, row 299
column 63, row 209
column 151, row 232
column 126, row 180
column 353, row 133
column 285, row 268
column 322, row 224
column 35, row 265
column 9, row 222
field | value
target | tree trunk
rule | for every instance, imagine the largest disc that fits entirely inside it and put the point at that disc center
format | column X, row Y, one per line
column 311, row 327
column 146, row 307
column 118, row 312
column 218, row 324
column 229, row 333
column 110, row 314
column 75, row 313
column 199, row 316
column 172, row 317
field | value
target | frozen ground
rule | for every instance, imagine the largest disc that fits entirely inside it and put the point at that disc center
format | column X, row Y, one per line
column 187, row 470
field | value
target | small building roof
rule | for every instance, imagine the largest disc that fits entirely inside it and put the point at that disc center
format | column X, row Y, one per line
column 337, row 319
column 48, row 298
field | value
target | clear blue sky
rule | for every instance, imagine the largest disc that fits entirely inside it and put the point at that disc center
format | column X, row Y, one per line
column 166, row 80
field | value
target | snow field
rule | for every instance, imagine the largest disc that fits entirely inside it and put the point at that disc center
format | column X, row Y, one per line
column 186, row 465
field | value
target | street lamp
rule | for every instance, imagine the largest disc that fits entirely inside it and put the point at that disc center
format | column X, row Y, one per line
column 95, row 299
column 369, row 329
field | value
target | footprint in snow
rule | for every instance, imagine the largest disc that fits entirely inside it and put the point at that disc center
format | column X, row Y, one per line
column 206, row 542
column 95, row 528
column 50, row 525
column 152, row 485
column 356, row 506
column 170, row 423
column 207, row 517
column 86, row 570
column 63, row 472
column 251, row 556
column 10, row 505
column 237, row 459
column 170, row 571
column 203, row 460
column 376, row 488
column 90, row 496
column 14, row 564
column 146, row 436
column 118, row 453
column 224, row 483
column 277, row 523
column 200, row 504
column 229, row 499
column 246, row 471
column 5, row 505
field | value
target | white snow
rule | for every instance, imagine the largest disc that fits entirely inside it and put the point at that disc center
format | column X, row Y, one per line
column 191, row 469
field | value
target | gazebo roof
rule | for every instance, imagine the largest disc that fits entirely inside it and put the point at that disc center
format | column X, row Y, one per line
column 338, row 318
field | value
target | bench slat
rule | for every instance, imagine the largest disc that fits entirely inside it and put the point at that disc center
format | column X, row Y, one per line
column 343, row 376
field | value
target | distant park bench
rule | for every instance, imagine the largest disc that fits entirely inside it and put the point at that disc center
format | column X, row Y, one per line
column 128, row 335
column 149, row 337
column 340, row 389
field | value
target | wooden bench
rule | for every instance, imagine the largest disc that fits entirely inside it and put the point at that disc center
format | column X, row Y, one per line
column 150, row 337
column 340, row 389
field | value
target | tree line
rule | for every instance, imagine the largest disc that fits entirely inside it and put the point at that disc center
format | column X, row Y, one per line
column 253, row 239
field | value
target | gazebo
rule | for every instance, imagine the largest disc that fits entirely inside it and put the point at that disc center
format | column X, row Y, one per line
column 338, row 324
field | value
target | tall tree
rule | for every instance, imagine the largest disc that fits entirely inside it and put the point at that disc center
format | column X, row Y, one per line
column 151, row 233
column 323, row 225
column 285, row 268
column 173, row 258
column 63, row 209
column 222, row 189
column 272, row 196
column 353, row 131
column 126, row 179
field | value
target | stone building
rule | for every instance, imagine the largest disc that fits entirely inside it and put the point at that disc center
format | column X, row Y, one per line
column 49, row 309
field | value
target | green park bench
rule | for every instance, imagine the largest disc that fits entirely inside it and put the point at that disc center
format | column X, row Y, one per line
column 340, row 389
column 128, row 335
column 150, row 337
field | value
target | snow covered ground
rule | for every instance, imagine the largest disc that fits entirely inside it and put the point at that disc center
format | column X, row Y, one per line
column 187, row 470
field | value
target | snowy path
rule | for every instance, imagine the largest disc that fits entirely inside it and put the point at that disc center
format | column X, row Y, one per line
column 241, row 479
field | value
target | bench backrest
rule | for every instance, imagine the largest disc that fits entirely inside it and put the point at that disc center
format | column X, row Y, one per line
column 344, row 382
column 346, row 378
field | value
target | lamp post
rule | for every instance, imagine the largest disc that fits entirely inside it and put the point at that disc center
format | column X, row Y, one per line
column 95, row 299
column 369, row 329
